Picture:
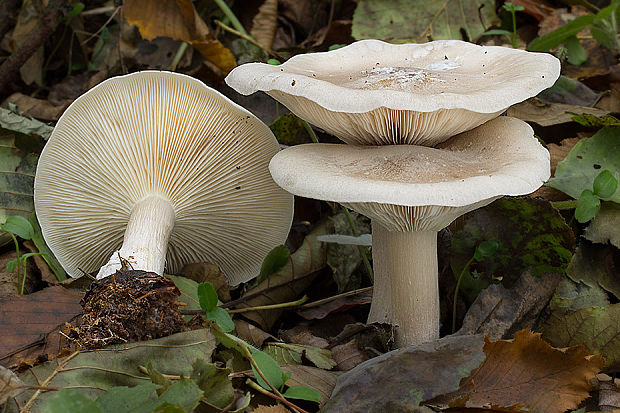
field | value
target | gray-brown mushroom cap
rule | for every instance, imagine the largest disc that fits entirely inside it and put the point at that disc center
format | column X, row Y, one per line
column 372, row 92
column 167, row 138
column 407, row 187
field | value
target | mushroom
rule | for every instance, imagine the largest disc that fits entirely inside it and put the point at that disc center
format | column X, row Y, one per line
column 162, row 170
column 376, row 93
column 410, row 193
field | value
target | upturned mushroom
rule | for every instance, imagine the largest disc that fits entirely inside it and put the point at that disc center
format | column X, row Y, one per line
column 376, row 93
column 157, row 169
column 411, row 192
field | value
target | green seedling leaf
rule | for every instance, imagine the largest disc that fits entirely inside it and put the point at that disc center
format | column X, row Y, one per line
column 404, row 21
column 207, row 297
column 508, row 6
column 77, row 9
column 576, row 53
column 485, row 249
column 274, row 62
column 497, row 32
column 11, row 266
column 128, row 399
column 586, row 160
column 557, row 37
column 336, row 47
column 72, row 401
column 303, row 393
column 593, row 121
column 19, row 226
column 269, row 368
column 273, row 262
column 605, row 184
column 222, row 318
column 214, row 383
column 588, row 206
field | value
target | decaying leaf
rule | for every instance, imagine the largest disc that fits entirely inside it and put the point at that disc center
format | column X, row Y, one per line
column 10, row 385
column 604, row 227
column 570, row 296
column 319, row 379
column 179, row 20
column 277, row 408
column 549, row 114
column 348, row 355
column 597, row 328
column 37, row 108
column 26, row 319
column 404, row 21
column 498, row 311
column 211, row 273
column 265, row 22
column 404, row 376
column 289, row 282
column 252, row 334
column 527, row 373
column 596, row 265
column 118, row 365
column 608, row 396
column 285, row 353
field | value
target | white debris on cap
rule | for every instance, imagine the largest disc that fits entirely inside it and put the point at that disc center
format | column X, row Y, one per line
column 408, row 187
column 376, row 93
column 165, row 135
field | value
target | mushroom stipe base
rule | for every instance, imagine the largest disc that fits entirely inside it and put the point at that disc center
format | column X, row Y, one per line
column 128, row 306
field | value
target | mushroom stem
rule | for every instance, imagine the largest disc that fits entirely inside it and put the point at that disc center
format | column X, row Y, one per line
column 146, row 237
column 406, row 291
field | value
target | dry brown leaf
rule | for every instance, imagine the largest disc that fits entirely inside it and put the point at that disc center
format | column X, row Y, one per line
column 276, row 408
column 265, row 22
column 321, row 380
column 348, row 355
column 36, row 108
column 608, row 396
column 549, row 114
column 179, row 20
column 252, row 334
column 25, row 320
column 211, row 273
column 557, row 153
column 527, row 373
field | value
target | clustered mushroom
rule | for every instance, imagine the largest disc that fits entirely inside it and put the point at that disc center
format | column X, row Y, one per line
column 432, row 148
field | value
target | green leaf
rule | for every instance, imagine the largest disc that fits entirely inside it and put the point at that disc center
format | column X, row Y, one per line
column 221, row 317
column 605, row 184
column 497, row 32
column 214, row 383
column 557, row 37
column 169, row 408
column 303, row 393
column 274, row 62
column 605, row 36
column 11, row 266
column 336, row 46
column 404, row 21
column 290, row 130
column 275, row 260
column 485, row 249
column 593, row 121
column 184, row 393
column 207, row 296
column 588, row 205
column 128, row 399
column 19, row 226
column 71, row 401
column 269, row 368
column 586, row 160
column 77, row 9
column 576, row 53
column 46, row 253
column 285, row 353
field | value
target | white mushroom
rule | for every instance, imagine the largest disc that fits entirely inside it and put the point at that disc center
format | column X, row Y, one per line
column 376, row 93
column 411, row 192
column 166, row 167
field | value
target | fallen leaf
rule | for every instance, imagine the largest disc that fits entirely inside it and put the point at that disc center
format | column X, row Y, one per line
column 286, row 284
column 597, row 328
column 37, row 108
column 549, row 114
column 337, row 305
column 570, row 296
column 596, row 265
column 586, row 160
column 319, row 379
column 28, row 21
column 285, row 353
column 403, row 21
column 252, row 334
column 189, row 293
column 211, row 273
column 27, row 319
column 526, row 373
column 118, row 365
column 569, row 91
column 290, row 130
column 265, row 22
column 536, row 8
column 277, row 408
column 604, row 227
column 608, row 396
column 179, row 20
column 348, row 355
column 400, row 380
column 10, row 385
column 499, row 312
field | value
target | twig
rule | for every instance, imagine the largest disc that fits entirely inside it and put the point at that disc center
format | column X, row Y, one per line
column 10, row 68
column 178, row 56
column 257, row 308
column 7, row 9
column 313, row 136
column 277, row 394
column 233, row 19
column 249, row 39
column 334, row 297
column 360, row 248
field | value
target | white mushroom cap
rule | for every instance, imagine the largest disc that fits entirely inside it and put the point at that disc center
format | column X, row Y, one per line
column 160, row 135
column 407, row 187
column 376, row 93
